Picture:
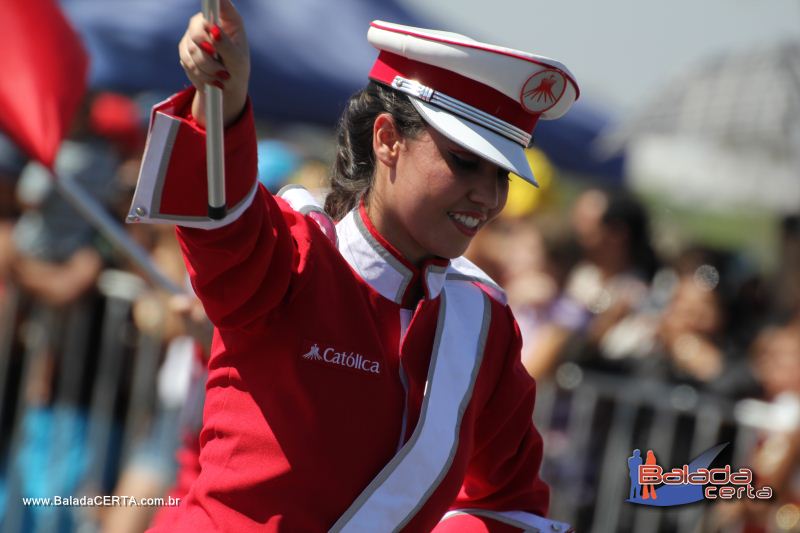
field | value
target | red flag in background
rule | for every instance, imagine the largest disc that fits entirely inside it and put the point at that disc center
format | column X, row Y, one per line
column 43, row 69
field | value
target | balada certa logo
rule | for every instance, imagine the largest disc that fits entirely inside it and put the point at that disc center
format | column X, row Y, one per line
column 332, row 356
column 656, row 486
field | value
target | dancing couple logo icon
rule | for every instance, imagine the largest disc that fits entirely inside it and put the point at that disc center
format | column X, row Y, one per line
column 653, row 485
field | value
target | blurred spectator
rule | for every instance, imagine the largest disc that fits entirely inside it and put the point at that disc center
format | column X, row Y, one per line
column 539, row 257
column 693, row 340
column 787, row 281
column 612, row 228
column 776, row 361
column 12, row 161
column 58, row 253
column 681, row 333
column 612, row 279
column 775, row 357
column 691, row 329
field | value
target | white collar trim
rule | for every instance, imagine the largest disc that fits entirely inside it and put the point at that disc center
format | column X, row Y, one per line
column 390, row 277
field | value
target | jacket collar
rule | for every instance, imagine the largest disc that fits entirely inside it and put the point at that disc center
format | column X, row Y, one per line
column 382, row 266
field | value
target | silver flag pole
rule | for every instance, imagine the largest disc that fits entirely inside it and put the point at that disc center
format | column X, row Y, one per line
column 215, row 154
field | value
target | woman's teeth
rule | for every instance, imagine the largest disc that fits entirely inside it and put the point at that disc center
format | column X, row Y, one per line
column 470, row 222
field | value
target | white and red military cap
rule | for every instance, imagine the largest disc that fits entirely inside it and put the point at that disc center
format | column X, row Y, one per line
column 484, row 97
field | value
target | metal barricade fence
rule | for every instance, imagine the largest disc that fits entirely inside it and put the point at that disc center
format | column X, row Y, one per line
column 70, row 435
column 592, row 422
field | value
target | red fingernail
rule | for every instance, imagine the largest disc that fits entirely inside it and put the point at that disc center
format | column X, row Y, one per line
column 207, row 48
column 223, row 75
column 218, row 84
column 215, row 32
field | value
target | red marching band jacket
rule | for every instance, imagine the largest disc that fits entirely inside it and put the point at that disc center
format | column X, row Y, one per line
column 335, row 402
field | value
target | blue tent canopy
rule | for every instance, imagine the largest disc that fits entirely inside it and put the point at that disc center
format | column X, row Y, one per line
column 308, row 57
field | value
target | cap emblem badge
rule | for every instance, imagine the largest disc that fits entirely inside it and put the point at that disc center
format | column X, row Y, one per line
column 543, row 90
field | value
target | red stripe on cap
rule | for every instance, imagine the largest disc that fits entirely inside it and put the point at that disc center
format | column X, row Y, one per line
column 482, row 46
column 467, row 90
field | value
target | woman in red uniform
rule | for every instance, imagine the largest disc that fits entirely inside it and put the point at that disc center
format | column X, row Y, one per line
column 363, row 377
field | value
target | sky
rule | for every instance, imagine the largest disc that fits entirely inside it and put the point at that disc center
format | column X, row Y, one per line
column 621, row 51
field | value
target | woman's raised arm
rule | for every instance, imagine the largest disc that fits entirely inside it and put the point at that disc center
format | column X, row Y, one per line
column 241, row 266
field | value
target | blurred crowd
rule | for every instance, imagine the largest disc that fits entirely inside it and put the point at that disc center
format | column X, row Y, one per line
column 583, row 276
column 588, row 286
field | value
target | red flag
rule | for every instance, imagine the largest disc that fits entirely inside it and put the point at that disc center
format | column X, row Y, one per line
column 43, row 69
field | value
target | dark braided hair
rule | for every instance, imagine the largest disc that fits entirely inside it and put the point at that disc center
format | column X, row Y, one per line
column 354, row 168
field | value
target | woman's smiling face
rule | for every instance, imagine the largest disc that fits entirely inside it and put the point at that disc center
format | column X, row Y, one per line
column 431, row 196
